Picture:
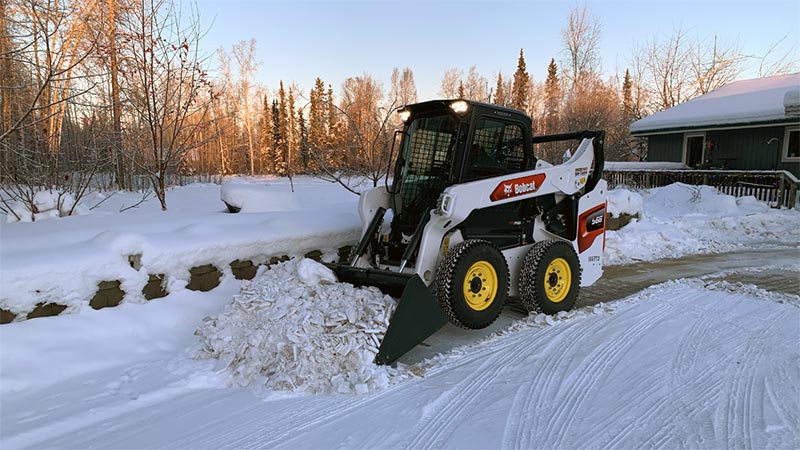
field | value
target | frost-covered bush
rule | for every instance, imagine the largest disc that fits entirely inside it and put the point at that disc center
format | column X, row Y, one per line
column 295, row 328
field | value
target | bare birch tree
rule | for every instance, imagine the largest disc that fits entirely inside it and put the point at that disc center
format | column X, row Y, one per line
column 244, row 54
column 714, row 65
column 581, row 38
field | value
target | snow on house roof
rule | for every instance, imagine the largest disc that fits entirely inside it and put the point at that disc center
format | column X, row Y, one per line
column 741, row 102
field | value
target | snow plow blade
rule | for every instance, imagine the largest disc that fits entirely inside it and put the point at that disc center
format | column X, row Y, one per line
column 416, row 317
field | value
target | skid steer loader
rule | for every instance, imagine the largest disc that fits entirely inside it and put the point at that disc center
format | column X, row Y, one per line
column 472, row 218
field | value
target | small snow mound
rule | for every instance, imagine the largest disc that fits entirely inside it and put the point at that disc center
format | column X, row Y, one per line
column 293, row 328
column 49, row 204
column 311, row 272
column 623, row 201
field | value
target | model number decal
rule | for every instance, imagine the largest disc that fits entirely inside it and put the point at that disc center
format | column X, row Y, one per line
column 595, row 220
column 517, row 186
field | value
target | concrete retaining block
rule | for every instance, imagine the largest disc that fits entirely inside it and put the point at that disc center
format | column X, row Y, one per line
column 204, row 278
column 108, row 294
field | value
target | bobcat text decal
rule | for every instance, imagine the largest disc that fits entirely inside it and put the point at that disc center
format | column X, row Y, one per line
column 517, row 186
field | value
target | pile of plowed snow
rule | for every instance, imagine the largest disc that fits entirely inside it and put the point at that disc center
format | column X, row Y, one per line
column 295, row 328
column 679, row 219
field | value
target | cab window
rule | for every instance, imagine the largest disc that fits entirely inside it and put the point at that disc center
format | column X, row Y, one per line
column 497, row 148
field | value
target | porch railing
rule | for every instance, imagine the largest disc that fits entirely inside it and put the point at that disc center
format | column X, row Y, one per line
column 778, row 187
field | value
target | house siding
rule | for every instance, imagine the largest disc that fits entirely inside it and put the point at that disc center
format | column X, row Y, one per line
column 665, row 147
column 745, row 149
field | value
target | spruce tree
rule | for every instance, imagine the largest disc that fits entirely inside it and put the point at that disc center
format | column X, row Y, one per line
column 552, row 97
column 293, row 159
column 461, row 89
column 519, row 96
column 499, row 93
column 283, row 144
column 303, row 142
column 317, row 118
column 333, row 152
column 276, row 163
column 266, row 144
column 627, row 97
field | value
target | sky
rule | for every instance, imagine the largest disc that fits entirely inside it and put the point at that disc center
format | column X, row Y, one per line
column 298, row 41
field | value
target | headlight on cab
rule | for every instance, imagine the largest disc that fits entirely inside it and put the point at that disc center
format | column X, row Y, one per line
column 404, row 115
column 459, row 106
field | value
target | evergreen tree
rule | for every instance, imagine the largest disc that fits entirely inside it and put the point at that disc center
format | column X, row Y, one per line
column 461, row 93
column 266, row 143
column 519, row 96
column 283, row 143
column 276, row 163
column 333, row 154
column 317, row 125
column 292, row 145
column 627, row 97
column 499, row 93
column 552, row 97
column 303, row 141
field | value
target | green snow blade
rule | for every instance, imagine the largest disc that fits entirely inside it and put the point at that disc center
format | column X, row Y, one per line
column 416, row 317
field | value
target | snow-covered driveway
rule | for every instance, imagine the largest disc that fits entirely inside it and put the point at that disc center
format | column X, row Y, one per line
column 686, row 364
column 702, row 362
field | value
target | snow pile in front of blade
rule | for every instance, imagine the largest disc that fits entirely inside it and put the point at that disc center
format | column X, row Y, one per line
column 294, row 328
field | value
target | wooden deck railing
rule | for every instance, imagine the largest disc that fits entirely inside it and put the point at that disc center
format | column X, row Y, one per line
column 778, row 187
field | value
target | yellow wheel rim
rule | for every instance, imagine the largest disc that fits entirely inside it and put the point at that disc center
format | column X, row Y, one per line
column 557, row 280
column 480, row 285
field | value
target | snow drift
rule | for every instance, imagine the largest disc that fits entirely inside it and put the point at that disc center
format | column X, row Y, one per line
column 294, row 328
column 680, row 219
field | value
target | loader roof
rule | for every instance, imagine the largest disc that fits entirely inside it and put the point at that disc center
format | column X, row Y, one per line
column 478, row 107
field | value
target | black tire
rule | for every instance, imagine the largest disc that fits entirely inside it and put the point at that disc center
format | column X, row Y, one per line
column 487, row 285
column 550, row 277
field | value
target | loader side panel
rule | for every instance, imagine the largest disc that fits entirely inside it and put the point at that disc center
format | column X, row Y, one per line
column 591, row 239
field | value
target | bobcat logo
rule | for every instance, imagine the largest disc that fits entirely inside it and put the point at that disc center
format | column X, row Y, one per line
column 507, row 189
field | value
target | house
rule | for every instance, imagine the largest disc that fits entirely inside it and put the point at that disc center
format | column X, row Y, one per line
column 749, row 124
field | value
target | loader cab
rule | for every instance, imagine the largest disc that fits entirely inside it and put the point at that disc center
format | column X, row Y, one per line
column 448, row 142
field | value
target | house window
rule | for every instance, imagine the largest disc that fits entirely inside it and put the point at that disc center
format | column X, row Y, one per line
column 791, row 144
column 694, row 146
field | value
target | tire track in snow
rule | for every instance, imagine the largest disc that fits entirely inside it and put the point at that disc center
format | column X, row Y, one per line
column 544, row 377
column 433, row 433
column 740, row 403
column 438, row 427
column 290, row 426
column 597, row 366
column 692, row 402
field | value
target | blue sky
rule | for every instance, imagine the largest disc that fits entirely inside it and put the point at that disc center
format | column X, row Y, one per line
column 300, row 40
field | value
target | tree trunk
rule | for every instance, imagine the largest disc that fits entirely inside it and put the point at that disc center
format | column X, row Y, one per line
column 116, row 107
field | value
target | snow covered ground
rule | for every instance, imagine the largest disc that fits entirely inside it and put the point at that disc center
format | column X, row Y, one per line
column 686, row 364
column 696, row 363
column 62, row 260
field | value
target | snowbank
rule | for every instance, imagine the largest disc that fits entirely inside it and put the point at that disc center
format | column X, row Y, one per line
column 251, row 196
column 679, row 219
column 294, row 328
column 623, row 201
column 63, row 261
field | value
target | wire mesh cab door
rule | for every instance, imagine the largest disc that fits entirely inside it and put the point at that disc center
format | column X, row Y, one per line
column 427, row 167
column 498, row 146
